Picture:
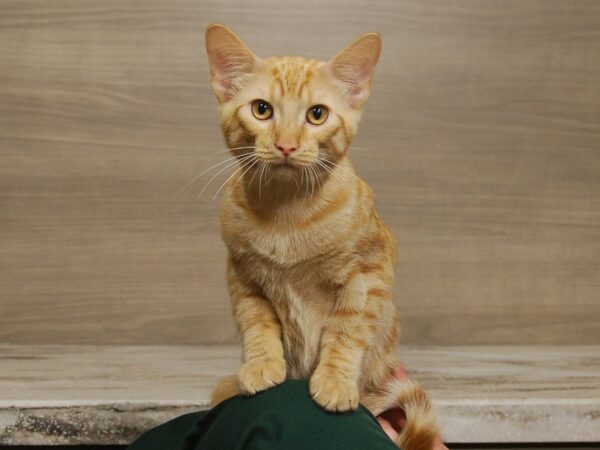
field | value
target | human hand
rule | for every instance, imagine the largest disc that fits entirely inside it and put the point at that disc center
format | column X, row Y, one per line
column 393, row 420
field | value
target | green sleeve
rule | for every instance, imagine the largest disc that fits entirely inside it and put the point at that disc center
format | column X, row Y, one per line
column 283, row 418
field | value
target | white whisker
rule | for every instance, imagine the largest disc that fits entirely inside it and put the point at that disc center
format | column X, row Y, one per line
column 302, row 182
column 231, row 164
column 242, row 166
column 312, row 182
column 227, row 150
column 319, row 180
column 262, row 170
column 228, row 178
column 255, row 172
column 331, row 171
column 349, row 172
column 307, row 184
column 208, row 170
column 250, row 164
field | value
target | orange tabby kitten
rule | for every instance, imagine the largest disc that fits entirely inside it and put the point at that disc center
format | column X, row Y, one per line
column 311, row 264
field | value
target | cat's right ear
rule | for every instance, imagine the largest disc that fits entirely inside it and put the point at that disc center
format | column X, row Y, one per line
column 230, row 60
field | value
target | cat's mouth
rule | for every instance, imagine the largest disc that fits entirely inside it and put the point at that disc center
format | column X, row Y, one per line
column 285, row 163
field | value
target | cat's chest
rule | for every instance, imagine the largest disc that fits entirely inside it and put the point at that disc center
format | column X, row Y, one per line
column 302, row 301
column 289, row 237
column 282, row 248
column 302, row 309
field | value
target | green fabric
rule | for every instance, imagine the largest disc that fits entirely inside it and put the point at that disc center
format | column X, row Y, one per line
column 284, row 417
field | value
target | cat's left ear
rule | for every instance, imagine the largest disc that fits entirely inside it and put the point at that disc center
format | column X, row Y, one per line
column 230, row 60
column 354, row 66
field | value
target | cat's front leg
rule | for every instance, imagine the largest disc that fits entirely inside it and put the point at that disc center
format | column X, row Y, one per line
column 264, row 364
column 346, row 337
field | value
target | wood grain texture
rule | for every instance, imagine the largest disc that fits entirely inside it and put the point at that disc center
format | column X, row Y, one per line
column 481, row 140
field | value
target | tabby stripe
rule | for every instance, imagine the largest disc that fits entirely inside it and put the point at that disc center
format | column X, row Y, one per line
column 377, row 292
column 370, row 316
column 330, row 366
column 358, row 341
column 361, row 343
column 304, row 84
column 392, row 338
column 332, row 140
column 281, row 87
column 345, row 129
column 338, row 201
column 232, row 121
column 370, row 268
column 371, row 243
column 345, row 313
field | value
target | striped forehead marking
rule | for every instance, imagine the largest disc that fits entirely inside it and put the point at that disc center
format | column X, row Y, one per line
column 293, row 75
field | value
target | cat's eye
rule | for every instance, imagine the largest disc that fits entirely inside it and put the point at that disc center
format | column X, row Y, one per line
column 317, row 114
column 261, row 109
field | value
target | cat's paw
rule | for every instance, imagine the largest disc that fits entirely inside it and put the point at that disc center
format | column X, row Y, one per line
column 259, row 374
column 333, row 392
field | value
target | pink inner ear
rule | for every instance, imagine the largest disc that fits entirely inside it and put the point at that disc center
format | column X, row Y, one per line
column 220, row 63
column 356, row 88
column 227, row 64
column 364, row 75
column 229, row 59
column 354, row 67
column 355, row 80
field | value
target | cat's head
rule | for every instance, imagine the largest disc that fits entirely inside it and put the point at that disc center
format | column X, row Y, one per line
column 286, row 113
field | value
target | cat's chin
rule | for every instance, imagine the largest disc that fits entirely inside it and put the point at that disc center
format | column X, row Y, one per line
column 284, row 172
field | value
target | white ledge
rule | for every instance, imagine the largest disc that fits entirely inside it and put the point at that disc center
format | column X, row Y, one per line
column 110, row 394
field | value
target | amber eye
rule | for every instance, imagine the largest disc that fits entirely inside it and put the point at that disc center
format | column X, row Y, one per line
column 262, row 110
column 317, row 114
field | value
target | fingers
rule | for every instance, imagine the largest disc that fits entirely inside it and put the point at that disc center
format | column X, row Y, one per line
column 400, row 373
column 438, row 444
column 395, row 417
column 388, row 428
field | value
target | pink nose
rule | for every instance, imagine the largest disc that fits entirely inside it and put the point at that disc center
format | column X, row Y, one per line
column 286, row 149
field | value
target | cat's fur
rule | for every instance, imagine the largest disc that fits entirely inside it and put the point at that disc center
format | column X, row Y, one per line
column 311, row 264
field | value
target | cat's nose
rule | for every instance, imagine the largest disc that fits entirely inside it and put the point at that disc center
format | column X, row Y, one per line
column 286, row 148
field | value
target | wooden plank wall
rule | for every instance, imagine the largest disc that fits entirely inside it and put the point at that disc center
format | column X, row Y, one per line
column 481, row 140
